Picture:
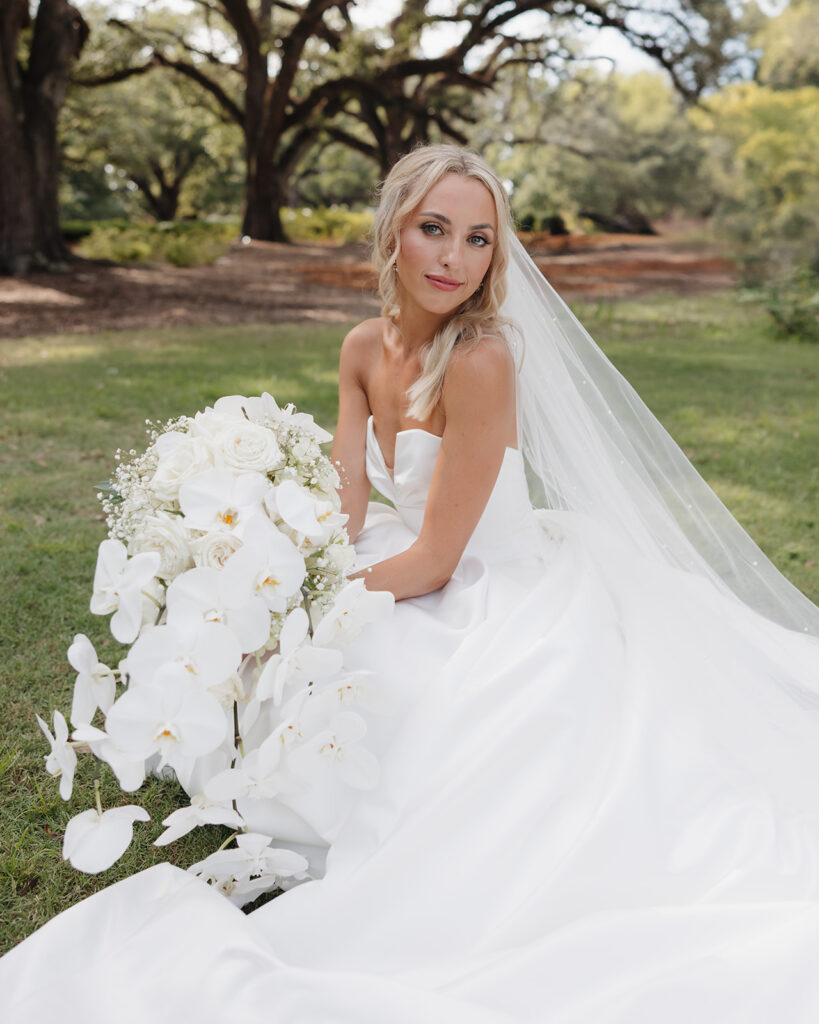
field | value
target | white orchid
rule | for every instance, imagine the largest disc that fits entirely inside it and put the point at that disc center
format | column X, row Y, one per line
column 352, row 609
column 309, row 517
column 272, row 565
column 61, row 760
column 338, row 745
column 94, row 839
column 260, row 775
column 225, row 596
column 298, row 662
column 172, row 716
column 208, row 651
column 118, row 585
column 129, row 770
column 95, row 685
column 202, row 811
column 251, row 868
column 361, row 688
column 221, row 498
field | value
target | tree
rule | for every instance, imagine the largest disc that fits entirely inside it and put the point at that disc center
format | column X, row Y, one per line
column 790, row 57
column 34, row 67
column 762, row 145
column 304, row 75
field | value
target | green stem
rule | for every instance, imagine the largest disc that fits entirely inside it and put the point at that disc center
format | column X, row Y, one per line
column 97, row 798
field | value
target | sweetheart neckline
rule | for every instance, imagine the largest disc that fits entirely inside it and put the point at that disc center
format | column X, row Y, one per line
column 409, row 430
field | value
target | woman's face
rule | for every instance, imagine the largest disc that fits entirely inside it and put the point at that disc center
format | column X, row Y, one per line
column 447, row 244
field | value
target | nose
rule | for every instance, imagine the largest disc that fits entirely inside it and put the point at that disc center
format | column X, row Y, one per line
column 451, row 253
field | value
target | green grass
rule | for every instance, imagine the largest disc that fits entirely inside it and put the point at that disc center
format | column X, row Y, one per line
column 744, row 409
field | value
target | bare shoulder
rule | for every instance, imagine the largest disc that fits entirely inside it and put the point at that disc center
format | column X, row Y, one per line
column 362, row 342
column 485, row 367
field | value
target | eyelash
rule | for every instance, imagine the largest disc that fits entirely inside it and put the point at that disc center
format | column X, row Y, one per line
column 432, row 224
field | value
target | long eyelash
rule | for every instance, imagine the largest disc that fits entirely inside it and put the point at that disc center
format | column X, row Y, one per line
column 432, row 224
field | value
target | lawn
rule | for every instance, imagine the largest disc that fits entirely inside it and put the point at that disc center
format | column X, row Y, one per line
column 745, row 409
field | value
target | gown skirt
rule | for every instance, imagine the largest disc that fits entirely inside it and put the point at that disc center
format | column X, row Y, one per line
column 598, row 802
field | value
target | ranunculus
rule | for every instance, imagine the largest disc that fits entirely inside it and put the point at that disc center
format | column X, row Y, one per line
column 166, row 535
column 215, row 548
column 179, row 460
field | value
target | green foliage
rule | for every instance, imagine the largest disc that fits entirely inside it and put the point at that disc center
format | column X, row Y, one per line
column 184, row 244
column 761, row 147
column 790, row 56
column 792, row 302
column 609, row 150
column 326, row 224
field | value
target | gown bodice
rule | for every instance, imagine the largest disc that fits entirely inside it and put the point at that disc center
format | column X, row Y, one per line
column 507, row 528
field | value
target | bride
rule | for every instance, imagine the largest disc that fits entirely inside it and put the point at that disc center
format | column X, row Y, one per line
column 599, row 796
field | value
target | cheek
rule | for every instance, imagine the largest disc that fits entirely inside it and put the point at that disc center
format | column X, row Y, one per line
column 413, row 247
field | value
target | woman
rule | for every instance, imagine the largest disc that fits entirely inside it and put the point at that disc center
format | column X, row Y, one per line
column 599, row 797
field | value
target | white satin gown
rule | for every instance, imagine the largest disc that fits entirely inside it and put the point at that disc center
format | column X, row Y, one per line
column 596, row 805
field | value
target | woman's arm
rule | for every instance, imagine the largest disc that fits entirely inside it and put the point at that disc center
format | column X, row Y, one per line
column 479, row 404
column 350, row 441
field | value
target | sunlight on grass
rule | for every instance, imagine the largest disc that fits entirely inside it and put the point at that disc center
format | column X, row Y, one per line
column 746, row 412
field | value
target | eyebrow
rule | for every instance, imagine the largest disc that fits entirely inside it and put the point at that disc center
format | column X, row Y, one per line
column 446, row 220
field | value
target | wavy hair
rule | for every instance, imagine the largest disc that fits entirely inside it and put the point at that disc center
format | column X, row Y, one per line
column 402, row 190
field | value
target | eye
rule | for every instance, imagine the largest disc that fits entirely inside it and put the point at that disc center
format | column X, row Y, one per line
column 431, row 224
column 481, row 239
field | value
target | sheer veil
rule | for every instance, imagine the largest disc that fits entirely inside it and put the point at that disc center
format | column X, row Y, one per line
column 591, row 445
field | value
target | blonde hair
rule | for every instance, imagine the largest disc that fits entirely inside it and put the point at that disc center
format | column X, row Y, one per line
column 402, row 190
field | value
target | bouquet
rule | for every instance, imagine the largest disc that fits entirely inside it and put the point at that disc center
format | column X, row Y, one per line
column 225, row 573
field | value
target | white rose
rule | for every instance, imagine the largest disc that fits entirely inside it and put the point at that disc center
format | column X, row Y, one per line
column 166, row 535
column 187, row 457
column 250, row 447
column 215, row 548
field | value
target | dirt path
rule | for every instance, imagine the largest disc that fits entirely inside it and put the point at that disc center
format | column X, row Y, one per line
column 268, row 282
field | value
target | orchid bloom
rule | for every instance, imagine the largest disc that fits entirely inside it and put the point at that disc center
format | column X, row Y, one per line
column 225, row 596
column 270, row 563
column 259, row 776
column 172, row 716
column 251, row 868
column 95, row 686
column 130, row 771
column 95, row 840
column 208, row 651
column 202, row 811
column 61, row 760
column 298, row 662
column 352, row 609
column 311, row 518
column 338, row 745
column 118, row 585
column 220, row 497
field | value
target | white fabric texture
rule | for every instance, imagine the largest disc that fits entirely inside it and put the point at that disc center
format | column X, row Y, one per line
column 598, row 804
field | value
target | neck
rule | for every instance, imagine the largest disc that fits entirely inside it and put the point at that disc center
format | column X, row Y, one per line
column 417, row 326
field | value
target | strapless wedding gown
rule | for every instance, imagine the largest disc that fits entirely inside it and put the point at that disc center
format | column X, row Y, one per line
column 595, row 805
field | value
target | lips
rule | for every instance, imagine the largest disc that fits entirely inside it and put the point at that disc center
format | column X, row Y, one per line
column 446, row 284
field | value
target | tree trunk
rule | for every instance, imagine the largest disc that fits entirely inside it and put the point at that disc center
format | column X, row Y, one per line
column 30, row 101
column 264, row 198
